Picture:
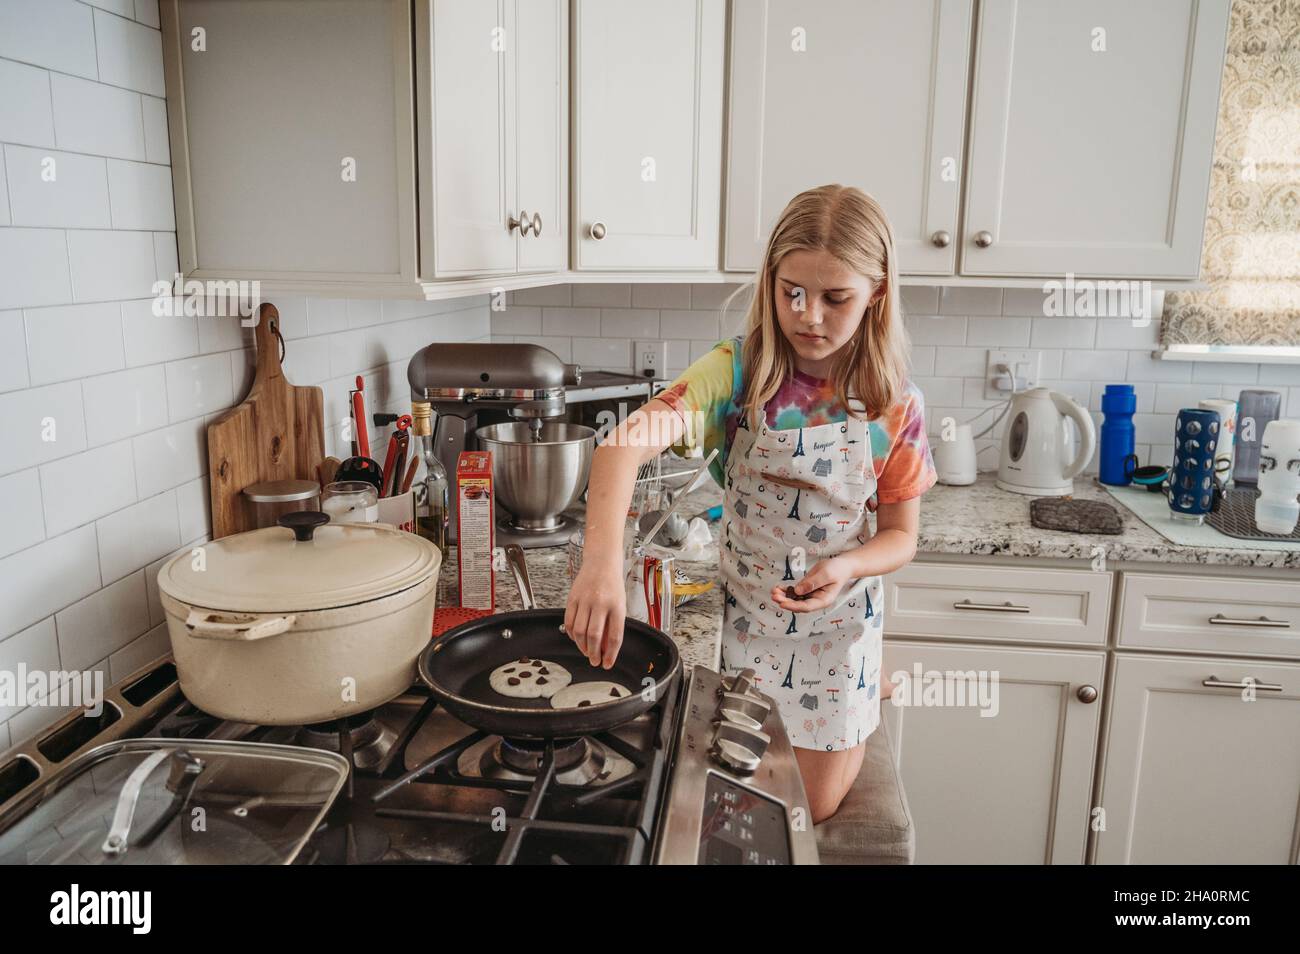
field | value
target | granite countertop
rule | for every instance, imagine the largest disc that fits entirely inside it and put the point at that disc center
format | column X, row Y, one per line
column 977, row 520
column 981, row 520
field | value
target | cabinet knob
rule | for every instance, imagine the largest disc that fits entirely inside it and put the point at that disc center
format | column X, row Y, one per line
column 597, row 230
column 523, row 223
column 983, row 239
column 1087, row 693
column 537, row 224
column 941, row 239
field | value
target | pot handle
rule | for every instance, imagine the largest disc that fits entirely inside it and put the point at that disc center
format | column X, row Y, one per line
column 204, row 624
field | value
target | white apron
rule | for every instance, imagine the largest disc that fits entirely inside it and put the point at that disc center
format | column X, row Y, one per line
column 804, row 488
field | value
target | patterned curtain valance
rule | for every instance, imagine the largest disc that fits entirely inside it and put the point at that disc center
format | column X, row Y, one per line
column 1251, row 256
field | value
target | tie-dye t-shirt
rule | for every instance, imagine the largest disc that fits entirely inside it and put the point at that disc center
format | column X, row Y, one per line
column 709, row 390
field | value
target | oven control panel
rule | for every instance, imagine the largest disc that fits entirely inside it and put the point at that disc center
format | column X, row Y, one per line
column 741, row 827
column 735, row 795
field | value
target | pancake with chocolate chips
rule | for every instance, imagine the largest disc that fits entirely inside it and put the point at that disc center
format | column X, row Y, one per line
column 526, row 678
column 580, row 695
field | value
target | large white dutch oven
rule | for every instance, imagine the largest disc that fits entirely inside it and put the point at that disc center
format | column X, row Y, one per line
column 300, row 623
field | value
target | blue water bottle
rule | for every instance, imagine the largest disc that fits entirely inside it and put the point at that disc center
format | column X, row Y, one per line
column 1116, row 460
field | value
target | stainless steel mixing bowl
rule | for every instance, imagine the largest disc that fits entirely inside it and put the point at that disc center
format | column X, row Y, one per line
column 538, row 479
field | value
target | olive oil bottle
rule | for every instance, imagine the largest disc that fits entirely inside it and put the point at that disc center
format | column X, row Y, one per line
column 431, row 516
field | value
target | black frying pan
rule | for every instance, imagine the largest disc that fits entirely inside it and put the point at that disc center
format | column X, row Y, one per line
column 456, row 666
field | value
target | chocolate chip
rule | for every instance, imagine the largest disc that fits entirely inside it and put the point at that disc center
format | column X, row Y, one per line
column 524, row 659
column 792, row 595
column 541, row 680
column 512, row 681
column 525, row 675
column 614, row 693
column 511, row 669
column 544, row 671
column 584, row 702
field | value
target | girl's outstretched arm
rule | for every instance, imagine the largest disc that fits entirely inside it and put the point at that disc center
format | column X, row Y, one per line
column 597, row 605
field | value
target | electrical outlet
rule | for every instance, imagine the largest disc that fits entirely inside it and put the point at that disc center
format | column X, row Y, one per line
column 1028, row 368
column 651, row 358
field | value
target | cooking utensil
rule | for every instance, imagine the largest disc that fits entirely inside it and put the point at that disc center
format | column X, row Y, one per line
column 300, row 623
column 272, row 499
column 326, row 470
column 358, row 399
column 538, row 477
column 363, row 469
column 1034, row 444
column 410, row 474
column 276, row 433
column 399, row 466
column 133, row 802
column 681, row 497
column 457, row 664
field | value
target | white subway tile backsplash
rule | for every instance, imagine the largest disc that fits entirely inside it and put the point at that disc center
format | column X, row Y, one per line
column 941, row 390
column 1128, row 334
column 690, row 325
column 111, row 265
column 1093, row 365
column 165, row 258
column 198, row 386
column 139, row 653
column 710, row 297
column 85, row 486
column 603, row 354
column 920, row 300
column 629, row 323
column 364, row 313
column 194, row 508
column 26, row 116
column 307, row 361
column 602, row 296
column 13, row 351
column 103, row 622
column 21, row 514
column 518, row 320
column 41, row 424
column 133, row 538
column 998, row 332
column 293, row 316
column 1063, row 332
column 570, row 321
column 56, row 189
column 56, row 34
column 43, row 579
column 960, row 362
column 922, row 360
column 1222, row 372
column 141, row 195
column 125, row 403
column 326, row 315
column 1171, row 398
column 129, row 54
column 33, row 267
column 73, row 341
column 170, row 456
column 1143, row 367
column 562, row 347
column 37, row 648
column 97, row 119
column 1272, row 375
column 5, row 218
column 149, row 339
column 955, row 300
column 146, row 11
column 223, row 332
column 123, row 8
column 156, row 145
column 924, row 329
column 545, row 296
column 661, row 296
column 1029, row 302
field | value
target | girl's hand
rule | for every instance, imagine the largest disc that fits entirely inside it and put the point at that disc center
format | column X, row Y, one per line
column 596, row 611
column 818, row 589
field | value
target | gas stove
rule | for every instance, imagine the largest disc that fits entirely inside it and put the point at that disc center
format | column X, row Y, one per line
column 706, row 776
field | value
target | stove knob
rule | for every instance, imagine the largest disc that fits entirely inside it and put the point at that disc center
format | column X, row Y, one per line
column 744, row 710
column 739, row 748
column 742, row 683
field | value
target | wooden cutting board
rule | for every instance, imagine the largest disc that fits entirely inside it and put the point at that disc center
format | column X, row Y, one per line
column 276, row 433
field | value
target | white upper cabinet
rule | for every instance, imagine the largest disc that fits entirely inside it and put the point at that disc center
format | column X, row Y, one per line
column 492, row 154
column 868, row 94
column 292, row 148
column 1092, row 129
column 647, row 113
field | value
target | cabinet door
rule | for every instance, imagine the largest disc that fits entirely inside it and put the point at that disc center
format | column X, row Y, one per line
column 1013, row 787
column 869, row 94
column 648, row 133
column 465, row 68
column 541, row 95
column 1092, row 130
column 1198, row 774
column 287, row 165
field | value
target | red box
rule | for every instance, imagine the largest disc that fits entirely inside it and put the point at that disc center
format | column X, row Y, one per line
column 476, row 530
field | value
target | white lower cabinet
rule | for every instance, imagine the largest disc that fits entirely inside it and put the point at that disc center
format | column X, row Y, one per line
column 1198, row 770
column 1011, row 787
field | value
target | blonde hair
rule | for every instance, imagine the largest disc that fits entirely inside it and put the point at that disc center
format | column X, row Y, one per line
column 872, row 367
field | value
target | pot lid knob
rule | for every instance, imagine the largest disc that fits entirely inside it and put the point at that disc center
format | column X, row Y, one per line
column 303, row 523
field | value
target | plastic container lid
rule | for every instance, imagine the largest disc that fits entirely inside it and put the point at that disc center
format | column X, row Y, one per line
column 268, row 571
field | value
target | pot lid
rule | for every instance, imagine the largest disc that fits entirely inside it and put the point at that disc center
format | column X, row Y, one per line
column 309, row 567
column 137, row 801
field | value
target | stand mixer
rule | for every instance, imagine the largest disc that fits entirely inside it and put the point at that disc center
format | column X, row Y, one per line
column 540, row 466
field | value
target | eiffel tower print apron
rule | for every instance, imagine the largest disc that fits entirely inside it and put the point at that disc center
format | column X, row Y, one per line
column 802, row 488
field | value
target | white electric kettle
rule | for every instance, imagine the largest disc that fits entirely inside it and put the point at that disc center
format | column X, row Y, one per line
column 1034, row 444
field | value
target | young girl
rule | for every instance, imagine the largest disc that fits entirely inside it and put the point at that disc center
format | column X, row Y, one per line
column 816, row 427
